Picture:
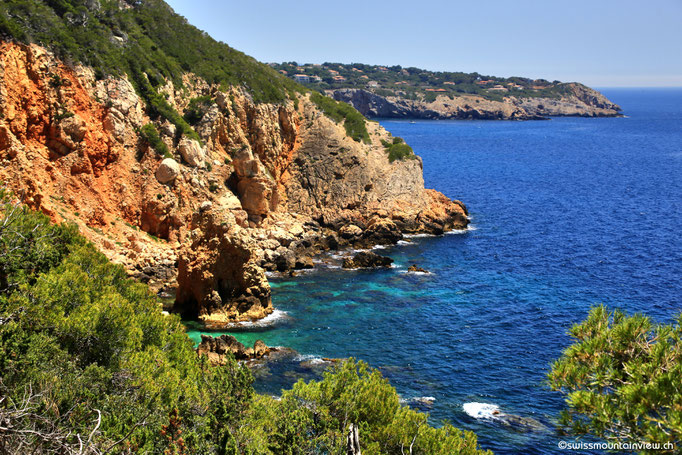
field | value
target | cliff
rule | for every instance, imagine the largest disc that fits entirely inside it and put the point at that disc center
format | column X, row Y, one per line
column 252, row 186
column 397, row 92
column 579, row 101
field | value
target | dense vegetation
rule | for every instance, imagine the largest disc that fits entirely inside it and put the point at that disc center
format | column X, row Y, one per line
column 415, row 83
column 142, row 37
column 353, row 121
column 90, row 364
column 623, row 379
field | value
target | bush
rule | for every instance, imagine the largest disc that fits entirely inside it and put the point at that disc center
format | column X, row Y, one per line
column 353, row 121
column 151, row 136
column 197, row 108
column 161, row 44
column 80, row 339
column 314, row 418
column 622, row 377
column 398, row 149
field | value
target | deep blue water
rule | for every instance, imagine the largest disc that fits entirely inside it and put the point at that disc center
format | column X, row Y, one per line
column 568, row 213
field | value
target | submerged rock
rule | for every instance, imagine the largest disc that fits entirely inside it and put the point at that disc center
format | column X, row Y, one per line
column 415, row 268
column 366, row 259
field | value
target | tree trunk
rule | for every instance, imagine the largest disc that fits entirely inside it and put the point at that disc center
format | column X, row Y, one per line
column 353, row 441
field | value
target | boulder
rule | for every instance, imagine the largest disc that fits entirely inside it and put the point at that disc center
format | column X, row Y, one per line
column 366, row 259
column 217, row 348
column 414, row 268
column 168, row 170
column 350, row 231
column 260, row 349
column 381, row 231
column 304, row 262
column 192, row 152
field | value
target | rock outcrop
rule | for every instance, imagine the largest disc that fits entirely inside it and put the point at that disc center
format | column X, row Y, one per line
column 219, row 280
column 366, row 259
column 217, row 349
column 578, row 101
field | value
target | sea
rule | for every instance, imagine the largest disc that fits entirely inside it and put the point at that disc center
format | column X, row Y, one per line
column 566, row 214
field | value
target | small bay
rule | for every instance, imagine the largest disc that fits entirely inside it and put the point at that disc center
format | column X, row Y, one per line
column 566, row 214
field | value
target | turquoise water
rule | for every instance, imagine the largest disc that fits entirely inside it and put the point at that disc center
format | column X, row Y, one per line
column 567, row 213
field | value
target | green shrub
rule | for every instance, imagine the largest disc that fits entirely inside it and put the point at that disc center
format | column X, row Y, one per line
column 398, row 149
column 314, row 418
column 622, row 377
column 81, row 339
column 162, row 44
column 151, row 136
column 353, row 121
column 197, row 108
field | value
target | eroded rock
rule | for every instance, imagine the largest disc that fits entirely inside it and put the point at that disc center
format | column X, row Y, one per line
column 367, row 259
column 218, row 348
column 219, row 280
column 192, row 152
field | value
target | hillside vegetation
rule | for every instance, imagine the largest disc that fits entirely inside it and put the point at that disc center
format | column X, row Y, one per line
column 137, row 37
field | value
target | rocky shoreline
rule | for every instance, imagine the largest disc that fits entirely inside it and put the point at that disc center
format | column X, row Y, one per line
column 581, row 101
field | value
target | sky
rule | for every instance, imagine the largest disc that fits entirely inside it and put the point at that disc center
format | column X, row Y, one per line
column 602, row 43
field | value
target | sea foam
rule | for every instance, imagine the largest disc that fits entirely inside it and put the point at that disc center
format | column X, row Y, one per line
column 481, row 410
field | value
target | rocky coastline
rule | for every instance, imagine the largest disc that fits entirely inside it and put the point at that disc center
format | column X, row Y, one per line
column 264, row 188
column 580, row 101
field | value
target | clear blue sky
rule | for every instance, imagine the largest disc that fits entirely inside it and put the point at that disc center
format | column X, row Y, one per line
column 603, row 43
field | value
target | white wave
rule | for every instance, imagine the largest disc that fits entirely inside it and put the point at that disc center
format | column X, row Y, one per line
column 379, row 247
column 271, row 319
column 404, row 242
column 422, row 400
column 418, row 236
column 458, row 231
column 471, row 227
column 482, row 410
column 310, row 358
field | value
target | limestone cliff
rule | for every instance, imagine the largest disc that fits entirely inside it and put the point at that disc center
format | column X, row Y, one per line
column 261, row 186
column 578, row 100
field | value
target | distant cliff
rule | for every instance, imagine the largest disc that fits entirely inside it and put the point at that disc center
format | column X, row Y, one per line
column 581, row 102
column 396, row 92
